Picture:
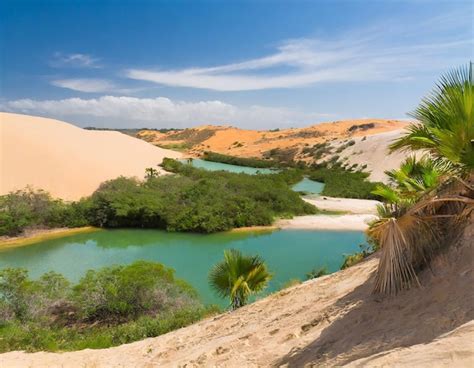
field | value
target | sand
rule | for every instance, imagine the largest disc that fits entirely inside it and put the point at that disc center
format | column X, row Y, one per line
column 327, row 222
column 355, row 206
column 67, row 161
column 331, row 321
column 370, row 146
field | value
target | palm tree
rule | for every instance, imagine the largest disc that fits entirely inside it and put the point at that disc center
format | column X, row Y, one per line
column 446, row 121
column 238, row 277
column 423, row 207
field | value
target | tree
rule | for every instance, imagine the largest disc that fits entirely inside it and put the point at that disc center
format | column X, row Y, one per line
column 238, row 277
column 424, row 209
column 151, row 173
column 446, row 121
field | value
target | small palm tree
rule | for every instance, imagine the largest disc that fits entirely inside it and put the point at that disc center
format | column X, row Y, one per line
column 423, row 207
column 238, row 277
column 446, row 121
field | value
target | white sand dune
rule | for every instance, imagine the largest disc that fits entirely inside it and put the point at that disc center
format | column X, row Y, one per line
column 67, row 161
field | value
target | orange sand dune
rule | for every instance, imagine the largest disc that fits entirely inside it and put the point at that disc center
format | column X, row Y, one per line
column 67, row 161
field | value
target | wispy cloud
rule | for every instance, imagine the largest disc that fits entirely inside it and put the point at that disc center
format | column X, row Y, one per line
column 163, row 112
column 373, row 55
column 74, row 60
column 85, row 85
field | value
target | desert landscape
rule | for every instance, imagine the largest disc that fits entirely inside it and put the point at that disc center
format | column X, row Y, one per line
column 236, row 184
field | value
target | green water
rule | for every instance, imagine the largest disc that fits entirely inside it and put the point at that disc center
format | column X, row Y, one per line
column 216, row 166
column 305, row 185
column 309, row 186
column 289, row 254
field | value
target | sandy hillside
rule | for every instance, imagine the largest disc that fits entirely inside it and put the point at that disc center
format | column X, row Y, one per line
column 371, row 138
column 65, row 160
column 330, row 321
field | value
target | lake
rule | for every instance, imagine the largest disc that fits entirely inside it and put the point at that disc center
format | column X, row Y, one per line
column 289, row 254
column 305, row 185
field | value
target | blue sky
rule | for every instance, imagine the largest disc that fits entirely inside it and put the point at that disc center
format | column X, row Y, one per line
column 253, row 64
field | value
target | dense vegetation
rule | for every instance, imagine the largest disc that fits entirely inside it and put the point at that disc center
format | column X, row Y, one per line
column 239, row 161
column 195, row 200
column 28, row 208
column 340, row 182
column 107, row 307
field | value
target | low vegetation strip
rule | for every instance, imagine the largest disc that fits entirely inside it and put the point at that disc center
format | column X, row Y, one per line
column 239, row 161
column 193, row 200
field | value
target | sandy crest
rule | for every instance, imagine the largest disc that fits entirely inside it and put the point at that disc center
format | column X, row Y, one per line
column 68, row 161
column 331, row 321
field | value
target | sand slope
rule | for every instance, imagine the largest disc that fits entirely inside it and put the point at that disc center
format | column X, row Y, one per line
column 65, row 160
column 327, row 322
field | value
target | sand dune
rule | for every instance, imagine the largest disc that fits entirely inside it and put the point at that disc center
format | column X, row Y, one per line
column 65, row 160
column 371, row 138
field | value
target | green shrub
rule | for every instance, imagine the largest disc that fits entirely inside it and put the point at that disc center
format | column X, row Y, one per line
column 197, row 200
column 29, row 208
column 317, row 272
column 340, row 182
column 239, row 161
column 110, row 306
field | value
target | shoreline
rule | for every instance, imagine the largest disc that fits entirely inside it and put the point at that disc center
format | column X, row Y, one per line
column 34, row 236
column 350, row 222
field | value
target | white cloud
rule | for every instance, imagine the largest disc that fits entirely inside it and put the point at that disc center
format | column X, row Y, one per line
column 161, row 112
column 74, row 60
column 85, row 84
column 373, row 55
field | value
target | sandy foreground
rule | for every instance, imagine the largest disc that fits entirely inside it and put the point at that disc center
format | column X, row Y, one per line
column 331, row 321
column 67, row 161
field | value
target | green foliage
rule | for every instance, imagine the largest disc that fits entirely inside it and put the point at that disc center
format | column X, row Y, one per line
column 110, row 306
column 197, row 200
column 239, row 161
column 446, row 121
column 365, row 251
column 317, row 272
column 408, row 184
column 238, row 277
column 29, row 208
column 120, row 293
column 343, row 183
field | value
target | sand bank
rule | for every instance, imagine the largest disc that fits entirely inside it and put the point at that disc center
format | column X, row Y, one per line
column 37, row 235
column 327, row 222
column 356, row 206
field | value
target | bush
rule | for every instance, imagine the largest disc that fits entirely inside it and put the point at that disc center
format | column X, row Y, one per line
column 239, row 161
column 121, row 293
column 340, row 182
column 110, row 306
column 197, row 200
column 29, row 208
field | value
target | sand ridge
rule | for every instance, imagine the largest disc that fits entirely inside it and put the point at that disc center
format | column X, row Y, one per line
column 67, row 161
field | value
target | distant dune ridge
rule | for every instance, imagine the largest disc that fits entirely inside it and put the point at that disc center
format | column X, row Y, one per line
column 361, row 142
column 67, row 161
